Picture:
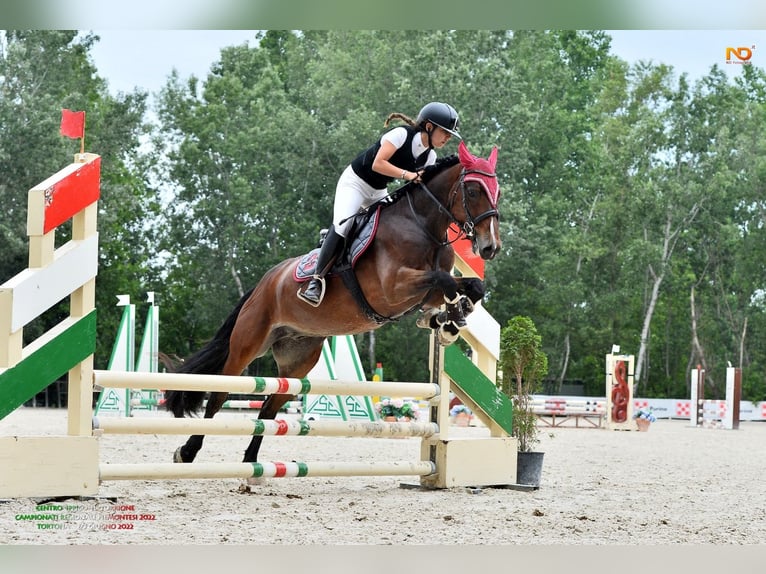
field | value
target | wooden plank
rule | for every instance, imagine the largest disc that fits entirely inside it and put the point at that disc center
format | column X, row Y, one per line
column 483, row 330
column 58, row 198
column 34, row 291
column 48, row 466
column 474, row 462
column 469, row 264
column 47, row 359
column 11, row 342
column 478, row 387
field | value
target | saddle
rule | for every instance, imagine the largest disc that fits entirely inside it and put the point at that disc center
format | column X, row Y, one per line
column 361, row 233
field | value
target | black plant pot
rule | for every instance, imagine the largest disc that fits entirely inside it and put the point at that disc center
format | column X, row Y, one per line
column 529, row 468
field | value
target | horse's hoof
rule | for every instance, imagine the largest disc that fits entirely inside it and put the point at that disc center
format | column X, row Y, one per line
column 177, row 455
column 425, row 319
column 255, row 481
column 447, row 334
column 466, row 305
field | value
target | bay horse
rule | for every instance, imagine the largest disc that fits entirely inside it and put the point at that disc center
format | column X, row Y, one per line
column 406, row 268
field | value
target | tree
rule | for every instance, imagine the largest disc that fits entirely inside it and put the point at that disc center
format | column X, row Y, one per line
column 523, row 365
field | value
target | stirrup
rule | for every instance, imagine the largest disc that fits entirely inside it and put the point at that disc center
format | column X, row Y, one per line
column 302, row 297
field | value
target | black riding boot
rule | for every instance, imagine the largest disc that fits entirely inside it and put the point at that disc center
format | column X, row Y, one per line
column 331, row 246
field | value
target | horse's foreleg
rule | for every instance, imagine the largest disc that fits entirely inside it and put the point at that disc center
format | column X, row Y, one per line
column 459, row 296
column 471, row 291
column 188, row 451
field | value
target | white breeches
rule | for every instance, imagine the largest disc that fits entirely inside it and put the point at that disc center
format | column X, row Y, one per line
column 352, row 193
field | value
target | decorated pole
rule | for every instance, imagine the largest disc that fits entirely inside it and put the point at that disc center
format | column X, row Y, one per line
column 246, row 470
column 265, row 427
column 259, row 385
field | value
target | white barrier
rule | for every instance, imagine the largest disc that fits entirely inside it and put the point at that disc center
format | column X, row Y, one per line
column 716, row 413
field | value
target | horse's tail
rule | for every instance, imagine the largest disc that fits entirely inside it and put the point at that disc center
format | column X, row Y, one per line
column 209, row 360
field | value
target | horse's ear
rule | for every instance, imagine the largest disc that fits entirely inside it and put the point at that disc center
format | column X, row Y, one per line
column 466, row 158
column 493, row 157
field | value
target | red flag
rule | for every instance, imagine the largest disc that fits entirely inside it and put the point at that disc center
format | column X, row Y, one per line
column 72, row 124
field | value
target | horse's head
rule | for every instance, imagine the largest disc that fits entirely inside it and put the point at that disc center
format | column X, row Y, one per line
column 480, row 193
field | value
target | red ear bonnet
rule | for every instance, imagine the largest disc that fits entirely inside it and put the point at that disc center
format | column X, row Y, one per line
column 481, row 170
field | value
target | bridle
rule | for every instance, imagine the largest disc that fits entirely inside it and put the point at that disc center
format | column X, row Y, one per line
column 466, row 228
column 471, row 222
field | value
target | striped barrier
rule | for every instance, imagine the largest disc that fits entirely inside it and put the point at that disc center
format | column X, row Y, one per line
column 244, row 470
column 557, row 411
column 722, row 414
column 711, row 413
column 239, row 404
column 265, row 427
column 259, row 385
column 257, row 427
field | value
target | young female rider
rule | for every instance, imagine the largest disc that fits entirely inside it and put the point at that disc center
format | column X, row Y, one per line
column 400, row 153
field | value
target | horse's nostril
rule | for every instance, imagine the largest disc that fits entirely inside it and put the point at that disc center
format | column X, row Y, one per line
column 488, row 252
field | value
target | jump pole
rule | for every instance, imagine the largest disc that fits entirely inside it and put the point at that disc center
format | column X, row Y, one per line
column 260, row 385
column 244, row 470
column 257, row 427
column 234, row 404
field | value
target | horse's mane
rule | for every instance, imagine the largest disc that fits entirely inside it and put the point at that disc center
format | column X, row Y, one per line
column 441, row 164
column 428, row 174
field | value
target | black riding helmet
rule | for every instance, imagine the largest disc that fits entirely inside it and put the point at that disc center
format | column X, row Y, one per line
column 440, row 114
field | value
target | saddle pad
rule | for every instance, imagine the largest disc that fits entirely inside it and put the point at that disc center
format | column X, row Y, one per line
column 361, row 241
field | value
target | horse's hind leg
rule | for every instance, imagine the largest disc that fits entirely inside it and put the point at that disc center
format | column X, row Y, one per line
column 295, row 357
column 189, row 450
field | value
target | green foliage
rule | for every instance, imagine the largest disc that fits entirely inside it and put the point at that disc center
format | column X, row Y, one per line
column 523, row 365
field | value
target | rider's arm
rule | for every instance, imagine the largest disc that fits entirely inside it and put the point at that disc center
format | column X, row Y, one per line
column 382, row 163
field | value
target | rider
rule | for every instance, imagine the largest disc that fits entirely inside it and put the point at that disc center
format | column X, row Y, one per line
column 402, row 153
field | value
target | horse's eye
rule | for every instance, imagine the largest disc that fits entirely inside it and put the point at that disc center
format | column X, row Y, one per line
column 470, row 192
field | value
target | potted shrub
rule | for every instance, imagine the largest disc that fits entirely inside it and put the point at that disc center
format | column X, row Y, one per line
column 523, row 364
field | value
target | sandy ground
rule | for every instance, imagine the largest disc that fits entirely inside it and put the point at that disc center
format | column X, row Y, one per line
column 673, row 485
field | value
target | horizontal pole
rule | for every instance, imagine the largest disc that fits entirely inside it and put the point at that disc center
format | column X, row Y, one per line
column 170, row 470
column 266, row 427
column 232, row 404
column 573, row 410
column 566, row 402
column 259, row 385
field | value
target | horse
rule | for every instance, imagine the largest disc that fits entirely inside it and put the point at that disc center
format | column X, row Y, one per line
column 406, row 268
